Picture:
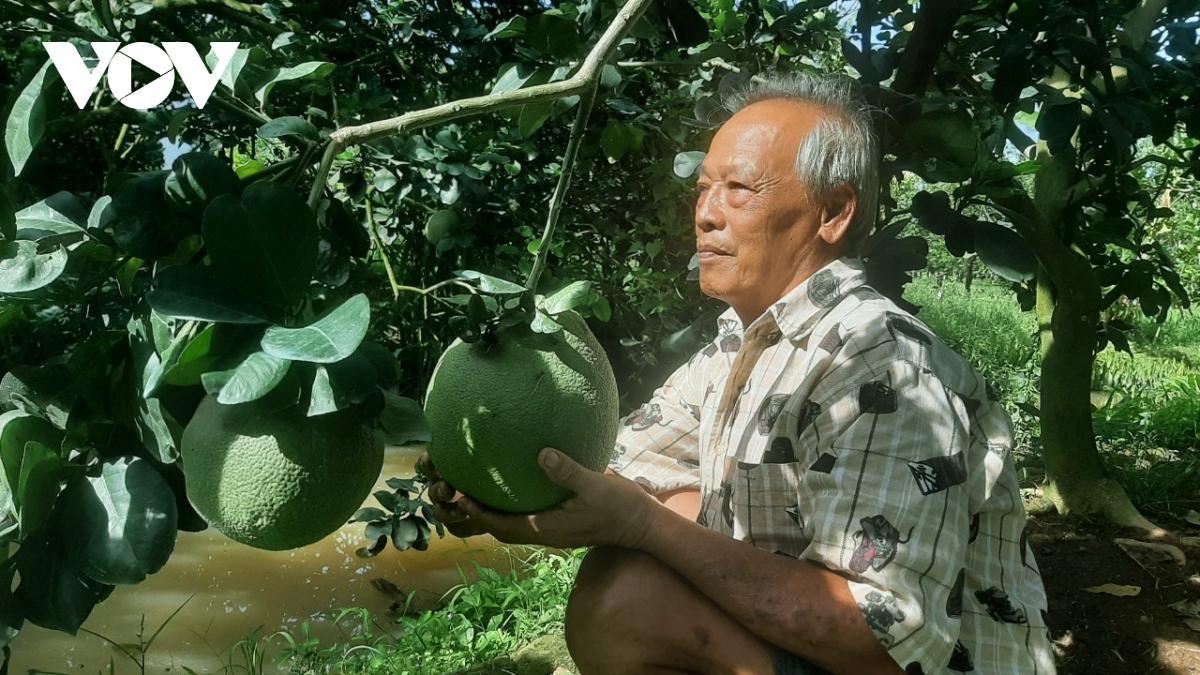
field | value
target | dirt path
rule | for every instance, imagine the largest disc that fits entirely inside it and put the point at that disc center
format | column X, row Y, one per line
column 1102, row 633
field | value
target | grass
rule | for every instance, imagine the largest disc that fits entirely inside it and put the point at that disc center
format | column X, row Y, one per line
column 1148, row 420
column 482, row 620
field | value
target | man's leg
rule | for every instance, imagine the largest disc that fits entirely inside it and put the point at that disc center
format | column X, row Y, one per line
column 631, row 615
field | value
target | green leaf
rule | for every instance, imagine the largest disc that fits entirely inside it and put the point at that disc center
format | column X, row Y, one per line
column 331, row 338
column 687, row 163
column 17, row 430
column 101, row 214
column 615, row 141
column 207, row 350
column 531, row 117
column 253, row 378
column 59, row 218
column 513, row 27
column 383, row 363
column 290, row 125
column 342, row 384
column 1004, row 252
column 241, row 58
column 312, row 70
column 402, row 421
column 570, row 296
column 23, row 269
column 124, row 521
column 27, row 121
column 193, row 292
column 48, row 390
column 513, row 76
column 158, row 430
column 544, row 323
column 145, row 224
column 196, row 179
column 56, row 595
column 490, row 284
column 264, row 244
column 42, row 470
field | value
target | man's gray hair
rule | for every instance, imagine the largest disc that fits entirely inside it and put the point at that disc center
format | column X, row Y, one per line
column 841, row 148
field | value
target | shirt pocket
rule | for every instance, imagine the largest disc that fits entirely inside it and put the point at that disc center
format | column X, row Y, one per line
column 765, row 506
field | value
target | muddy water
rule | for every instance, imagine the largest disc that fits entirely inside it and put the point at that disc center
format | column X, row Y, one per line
column 236, row 589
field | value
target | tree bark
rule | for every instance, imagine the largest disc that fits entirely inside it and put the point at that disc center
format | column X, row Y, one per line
column 1076, row 482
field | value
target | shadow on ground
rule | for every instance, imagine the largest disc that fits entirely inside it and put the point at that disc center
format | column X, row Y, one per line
column 1103, row 633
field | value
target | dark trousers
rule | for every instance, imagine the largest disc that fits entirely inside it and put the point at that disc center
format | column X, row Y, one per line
column 787, row 663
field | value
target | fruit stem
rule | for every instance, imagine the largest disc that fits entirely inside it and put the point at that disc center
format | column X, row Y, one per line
column 564, row 181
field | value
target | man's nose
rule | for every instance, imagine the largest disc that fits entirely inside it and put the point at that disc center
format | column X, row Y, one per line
column 708, row 212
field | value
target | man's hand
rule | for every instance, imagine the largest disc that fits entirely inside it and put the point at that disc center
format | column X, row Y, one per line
column 445, row 501
column 607, row 509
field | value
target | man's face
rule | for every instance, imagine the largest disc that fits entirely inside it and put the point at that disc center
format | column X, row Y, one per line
column 756, row 227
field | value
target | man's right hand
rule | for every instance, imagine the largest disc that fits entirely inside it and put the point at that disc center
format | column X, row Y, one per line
column 444, row 498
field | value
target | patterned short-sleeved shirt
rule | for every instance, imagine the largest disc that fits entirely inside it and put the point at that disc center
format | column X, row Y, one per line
column 838, row 428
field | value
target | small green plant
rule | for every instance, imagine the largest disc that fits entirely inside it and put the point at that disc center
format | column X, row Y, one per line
column 481, row 619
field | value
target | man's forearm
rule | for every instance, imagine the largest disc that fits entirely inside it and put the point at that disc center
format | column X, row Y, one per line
column 795, row 604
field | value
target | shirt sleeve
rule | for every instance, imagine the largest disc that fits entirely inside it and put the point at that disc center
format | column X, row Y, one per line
column 658, row 444
column 889, row 508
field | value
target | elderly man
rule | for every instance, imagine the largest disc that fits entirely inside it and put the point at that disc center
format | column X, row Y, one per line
column 865, row 463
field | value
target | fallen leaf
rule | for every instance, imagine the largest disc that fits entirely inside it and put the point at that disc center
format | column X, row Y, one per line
column 1193, row 517
column 1118, row 590
column 1194, row 624
column 1190, row 609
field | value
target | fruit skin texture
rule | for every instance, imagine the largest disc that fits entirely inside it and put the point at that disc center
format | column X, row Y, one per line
column 492, row 408
column 277, row 480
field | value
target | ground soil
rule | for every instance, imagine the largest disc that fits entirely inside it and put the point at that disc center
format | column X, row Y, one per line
column 1097, row 633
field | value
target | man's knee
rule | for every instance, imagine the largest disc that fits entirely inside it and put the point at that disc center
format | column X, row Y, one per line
column 612, row 582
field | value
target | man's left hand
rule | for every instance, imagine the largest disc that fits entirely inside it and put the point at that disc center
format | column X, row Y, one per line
column 607, row 509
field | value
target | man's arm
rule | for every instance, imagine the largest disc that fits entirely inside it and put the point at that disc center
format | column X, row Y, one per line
column 795, row 604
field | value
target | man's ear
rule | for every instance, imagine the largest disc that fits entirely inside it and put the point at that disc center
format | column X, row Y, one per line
column 837, row 212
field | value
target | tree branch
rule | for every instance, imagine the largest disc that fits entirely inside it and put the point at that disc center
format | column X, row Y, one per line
column 564, row 182
column 584, row 79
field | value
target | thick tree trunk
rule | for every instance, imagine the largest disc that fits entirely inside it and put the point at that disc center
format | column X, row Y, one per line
column 1076, row 482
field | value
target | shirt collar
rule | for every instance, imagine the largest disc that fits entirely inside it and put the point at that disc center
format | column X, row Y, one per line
column 800, row 308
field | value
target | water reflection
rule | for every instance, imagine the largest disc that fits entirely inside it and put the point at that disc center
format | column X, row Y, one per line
column 237, row 589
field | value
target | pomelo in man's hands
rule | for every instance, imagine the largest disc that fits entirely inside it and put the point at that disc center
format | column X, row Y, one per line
column 493, row 405
column 277, row 480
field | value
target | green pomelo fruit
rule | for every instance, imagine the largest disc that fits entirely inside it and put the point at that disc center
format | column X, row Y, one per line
column 281, row 480
column 493, row 407
column 441, row 224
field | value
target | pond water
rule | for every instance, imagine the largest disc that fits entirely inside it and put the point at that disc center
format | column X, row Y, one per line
column 235, row 589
